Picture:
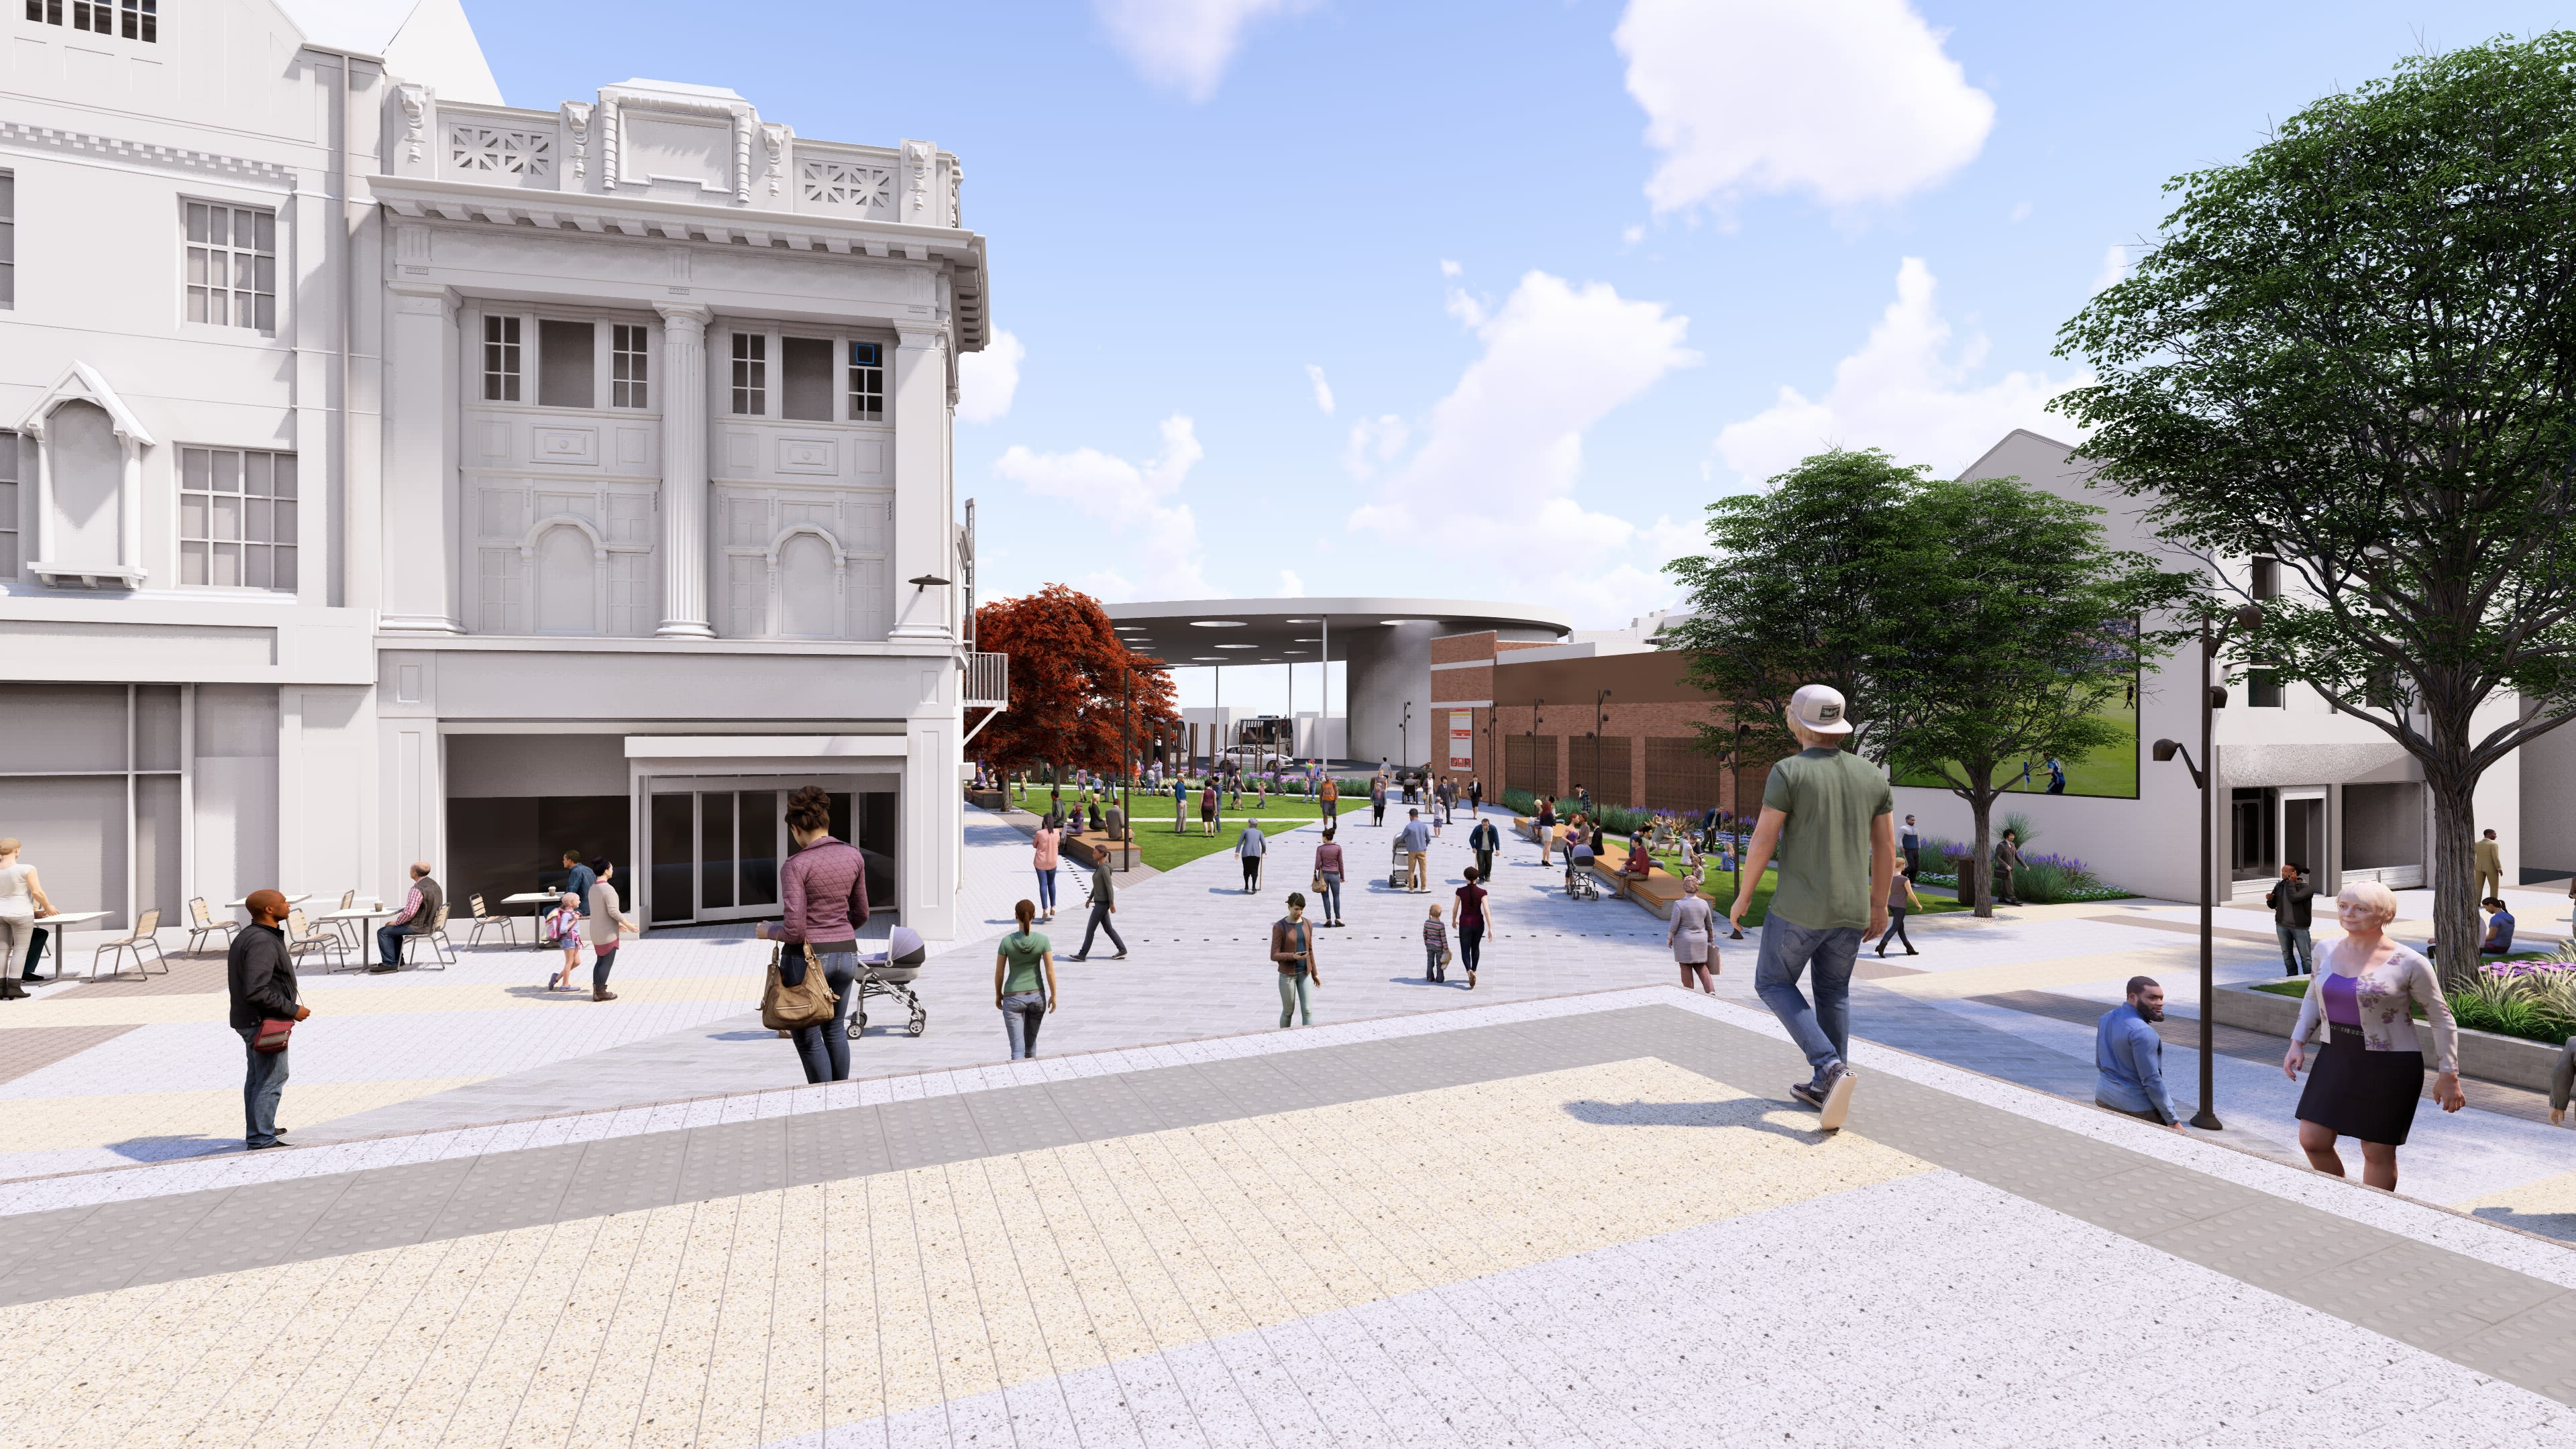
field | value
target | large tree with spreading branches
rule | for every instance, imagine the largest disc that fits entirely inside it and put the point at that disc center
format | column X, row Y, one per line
column 2354, row 351
column 1079, row 696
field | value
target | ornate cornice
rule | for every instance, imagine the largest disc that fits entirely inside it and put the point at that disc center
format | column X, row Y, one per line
column 144, row 153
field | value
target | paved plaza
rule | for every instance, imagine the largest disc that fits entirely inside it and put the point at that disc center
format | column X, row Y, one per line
column 1575, row 1206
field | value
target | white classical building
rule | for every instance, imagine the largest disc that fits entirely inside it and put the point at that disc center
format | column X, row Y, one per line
column 389, row 474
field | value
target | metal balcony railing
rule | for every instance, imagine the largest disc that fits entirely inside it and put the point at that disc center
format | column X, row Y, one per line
column 988, row 681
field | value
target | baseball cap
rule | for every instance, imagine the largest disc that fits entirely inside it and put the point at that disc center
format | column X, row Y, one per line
column 1818, row 708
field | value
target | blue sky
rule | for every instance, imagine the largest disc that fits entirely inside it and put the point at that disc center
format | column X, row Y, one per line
column 1569, row 269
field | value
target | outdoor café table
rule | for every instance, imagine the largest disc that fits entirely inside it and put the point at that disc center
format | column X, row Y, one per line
column 536, row 902
column 353, row 921
column 58, row 926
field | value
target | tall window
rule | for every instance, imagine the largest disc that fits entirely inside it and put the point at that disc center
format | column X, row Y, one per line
column 8, row 240
column 750, row 374
column 500, row 359
column 49, row 12
column 628, row 383
column 2267, row 578
column 232, row 266
column 236, row 519
column 805, row 378
column 867, row 382
column 8, row 505
column 567, row 364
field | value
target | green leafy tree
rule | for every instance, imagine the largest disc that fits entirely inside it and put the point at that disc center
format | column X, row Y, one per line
column 1789, row 593
column 2004, row 632
column 2355, row 351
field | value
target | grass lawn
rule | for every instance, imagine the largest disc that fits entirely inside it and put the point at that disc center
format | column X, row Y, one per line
column 1163, row 850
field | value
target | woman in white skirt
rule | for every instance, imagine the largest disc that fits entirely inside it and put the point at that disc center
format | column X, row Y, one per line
column 1693, row 938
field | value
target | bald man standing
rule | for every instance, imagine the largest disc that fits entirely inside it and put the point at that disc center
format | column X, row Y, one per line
column 259, row 975
column 419, row 912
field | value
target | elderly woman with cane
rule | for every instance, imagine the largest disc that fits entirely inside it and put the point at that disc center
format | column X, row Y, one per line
column 2371, row 1074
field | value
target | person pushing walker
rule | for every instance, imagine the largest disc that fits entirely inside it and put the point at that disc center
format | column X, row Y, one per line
column 1829, row 815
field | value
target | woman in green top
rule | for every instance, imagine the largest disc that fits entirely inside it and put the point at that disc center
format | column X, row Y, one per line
column 1292, row 949
column 1024, row 982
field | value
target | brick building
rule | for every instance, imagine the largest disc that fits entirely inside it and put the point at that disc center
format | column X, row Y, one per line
column 1613, row 712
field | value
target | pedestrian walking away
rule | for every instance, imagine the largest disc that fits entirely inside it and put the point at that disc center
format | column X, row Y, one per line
column 259, row 981
column 607, row 923
column 2371, row 1074
column 1484, row 840
column 563, row 927
column 1475, row 915
column 1251, row 846
column 22, row 941
column 1045, row 858
column 1827, row 813
column 1900, row 899
column 1435, row 946
column 1024, row 982
column 2490, row 864
column 1292, row 950
column 823, row 895
column 1693, row 937
column 1180, row 806
column 1328, row 878
column 1207, row 806
column 1104, row 904
column 2129, row 1058
column 1909, row 839
column 2292, row 902
column 1415, row 841
column 1545, row 826
column 418, row 916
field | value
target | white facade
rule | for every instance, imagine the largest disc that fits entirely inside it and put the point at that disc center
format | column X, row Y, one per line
column 2295, row 781
column 387, row 474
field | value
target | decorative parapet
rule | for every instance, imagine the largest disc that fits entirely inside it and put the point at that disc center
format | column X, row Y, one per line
column 145, row 153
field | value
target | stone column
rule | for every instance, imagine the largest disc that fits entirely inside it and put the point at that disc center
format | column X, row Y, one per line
column 921, row 529
column 422, row 545
column 683, row 390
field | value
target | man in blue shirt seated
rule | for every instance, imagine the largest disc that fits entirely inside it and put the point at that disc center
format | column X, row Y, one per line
column 2132, row 1057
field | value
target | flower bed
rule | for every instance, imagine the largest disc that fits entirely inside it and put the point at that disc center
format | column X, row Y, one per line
column 2043, row 880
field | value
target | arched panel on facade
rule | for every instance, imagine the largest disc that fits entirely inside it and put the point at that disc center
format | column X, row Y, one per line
column 809, row 585
column 88, row 471
column 566, row 577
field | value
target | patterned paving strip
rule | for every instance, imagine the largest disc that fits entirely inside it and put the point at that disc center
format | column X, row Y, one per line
column 71, row 1008
column 130, row 1119
column 1228, row 1228
column 27, row 1050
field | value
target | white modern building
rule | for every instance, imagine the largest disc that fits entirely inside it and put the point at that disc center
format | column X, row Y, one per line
column 2295, row 781
column 390, row 474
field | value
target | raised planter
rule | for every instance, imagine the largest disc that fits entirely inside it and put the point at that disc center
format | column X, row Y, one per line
column 989, row 799
column 2506, row 1060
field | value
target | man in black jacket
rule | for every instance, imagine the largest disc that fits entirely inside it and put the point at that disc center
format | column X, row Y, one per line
column 2292, row 907
column 260, row 976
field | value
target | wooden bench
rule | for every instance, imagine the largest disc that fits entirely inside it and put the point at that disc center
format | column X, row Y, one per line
column 1657, row 891
column 1090, row 847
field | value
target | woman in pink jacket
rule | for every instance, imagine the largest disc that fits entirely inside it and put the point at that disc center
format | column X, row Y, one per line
column 1048, row 836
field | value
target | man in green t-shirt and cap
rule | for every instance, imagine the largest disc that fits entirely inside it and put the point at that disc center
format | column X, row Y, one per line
column 1828, row 814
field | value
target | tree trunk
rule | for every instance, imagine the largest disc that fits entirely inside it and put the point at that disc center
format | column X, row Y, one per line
column 1977, row 873
column 2453, row 877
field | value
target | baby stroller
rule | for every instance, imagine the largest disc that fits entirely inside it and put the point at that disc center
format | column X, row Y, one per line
column 889, row 973
column 1580, row 883
column 1400, row 873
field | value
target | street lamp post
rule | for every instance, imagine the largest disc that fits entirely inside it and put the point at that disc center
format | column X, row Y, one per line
column 1127, row 760
column 1600, row 725
column 2213, row 697
column 1735, row 771
column 1536, row 705
column 1404, row 736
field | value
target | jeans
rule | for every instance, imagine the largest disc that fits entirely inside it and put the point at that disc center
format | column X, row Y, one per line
column 389, row 939
column 262, row 1085
column 1099, row 922
column 824, row 1049
column 1292, row 999
column 1471, row 941
column 1023, row 1012
column 1331, row 904
column 2298, row 953
column 1046, row 890
column 602, row 958
column 1431, row 963
column 1896, row 931
column 1823, row 1032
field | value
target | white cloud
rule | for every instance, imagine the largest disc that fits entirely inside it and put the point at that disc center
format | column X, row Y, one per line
column 1906, row 390
column 1185, row 44
column 1501, row 456
column 1632, row 235
column 1323, row 389
column 1135, row 499
column 1851, row 101
column 1291, row 586
column 1374, row 441
column 1449, row 268
column 2115, row 268
column 988, row 380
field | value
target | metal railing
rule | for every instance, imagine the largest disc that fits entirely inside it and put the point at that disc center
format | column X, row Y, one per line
column 988, row 681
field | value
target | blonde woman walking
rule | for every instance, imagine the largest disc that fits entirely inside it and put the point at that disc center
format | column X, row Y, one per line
column 2371, row 1074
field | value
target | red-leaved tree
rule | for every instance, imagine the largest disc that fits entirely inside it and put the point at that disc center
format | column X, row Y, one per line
column 1073, row 683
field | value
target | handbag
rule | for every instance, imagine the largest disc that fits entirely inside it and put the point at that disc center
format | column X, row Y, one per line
column 273, row 1033
column 810, row 1002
